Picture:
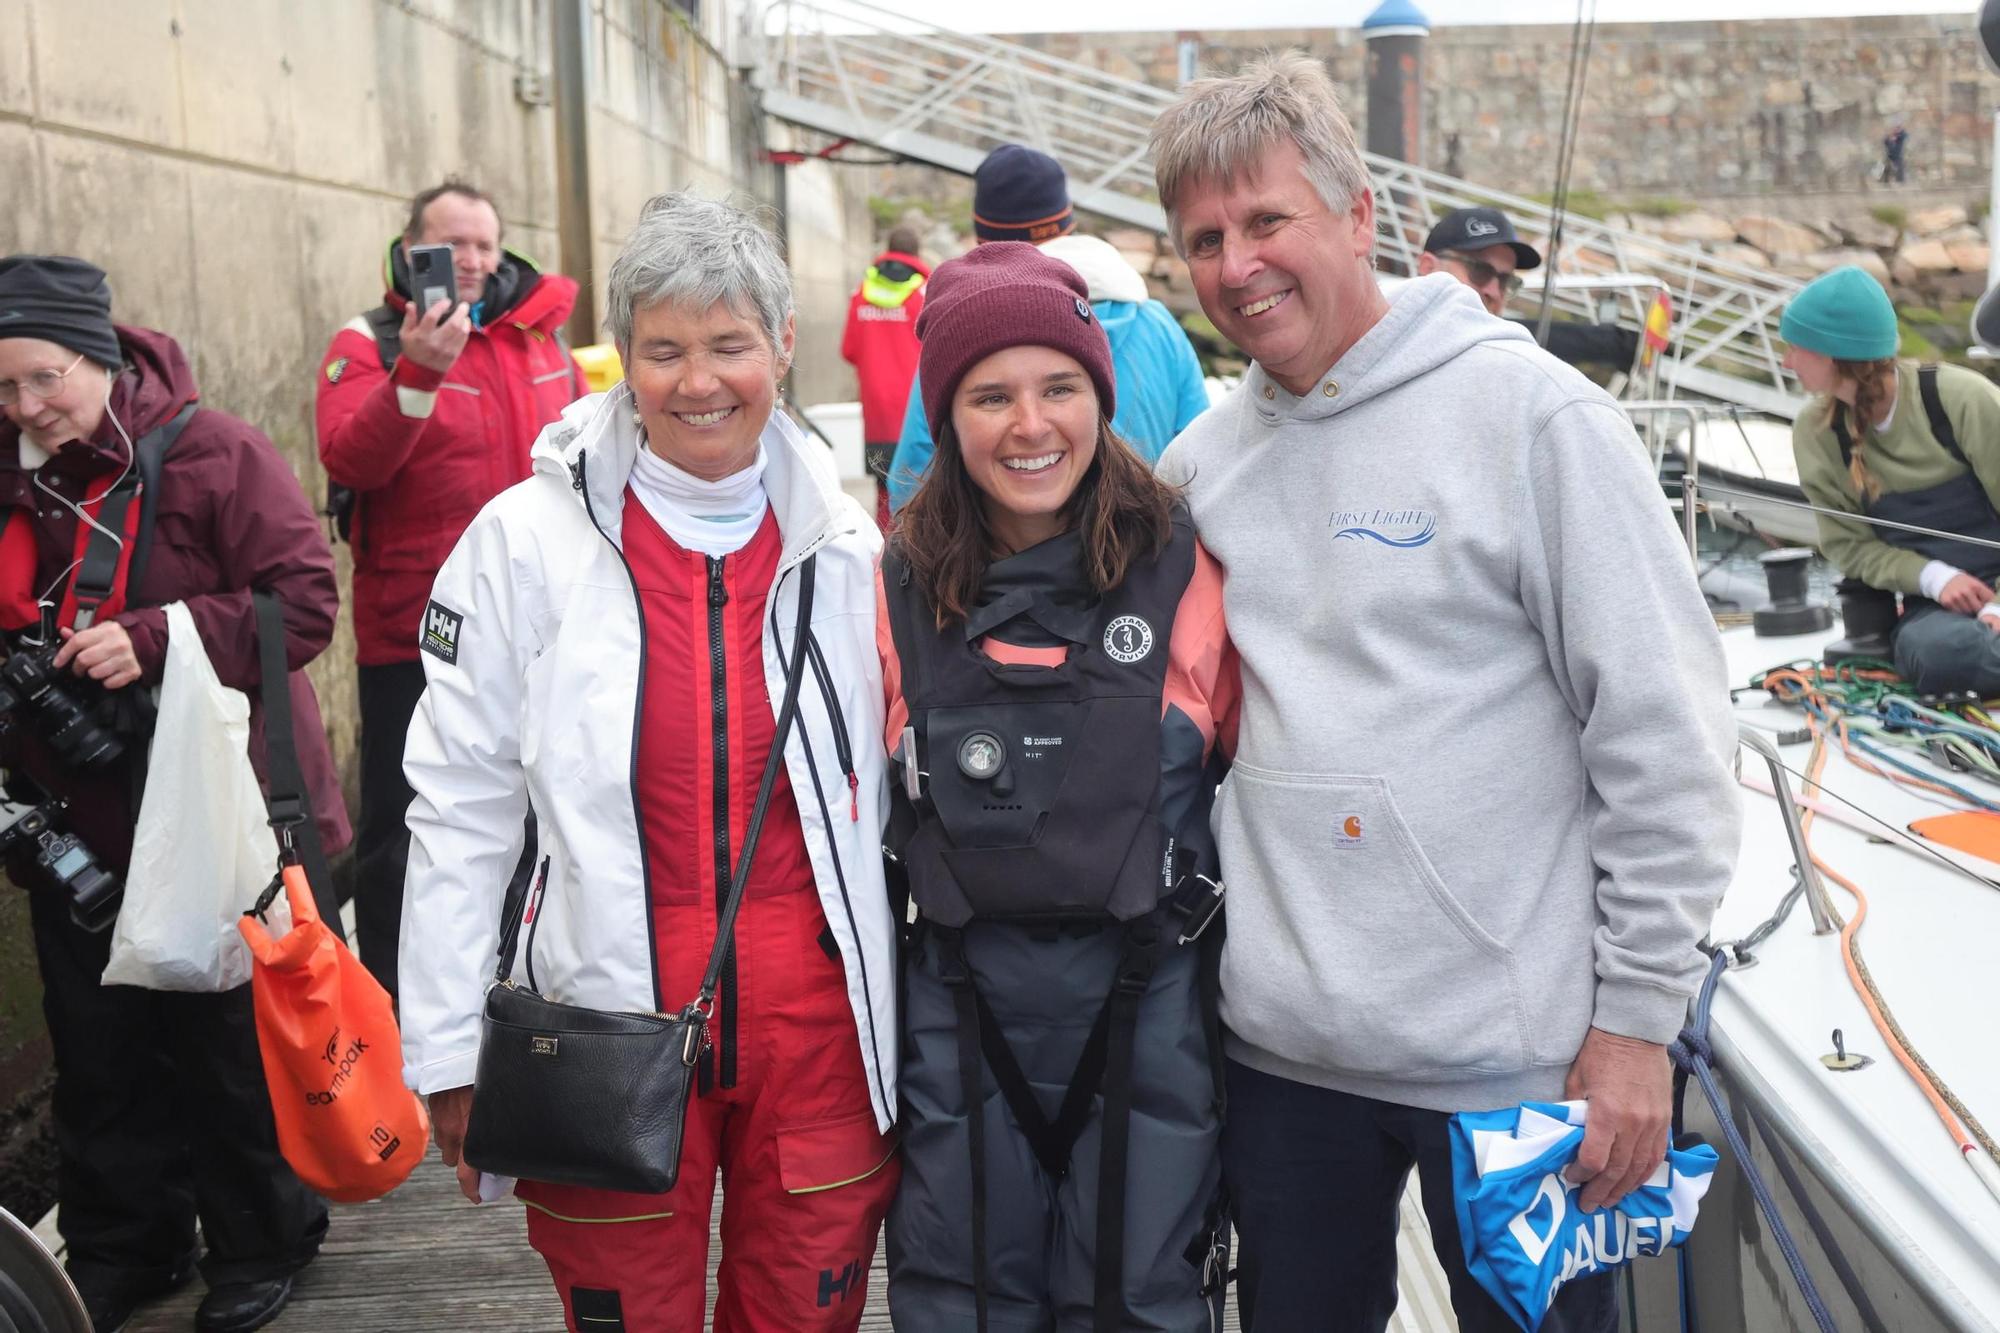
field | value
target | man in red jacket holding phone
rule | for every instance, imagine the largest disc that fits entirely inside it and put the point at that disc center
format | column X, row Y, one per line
column 424, row 416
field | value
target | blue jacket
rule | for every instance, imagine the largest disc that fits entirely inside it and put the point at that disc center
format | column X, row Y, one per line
column 1159, row 383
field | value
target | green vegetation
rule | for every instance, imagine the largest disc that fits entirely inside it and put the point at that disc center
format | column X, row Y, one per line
column 1654, row 206
column 1891, row 215
column 1915, row 344
column 1583, row 203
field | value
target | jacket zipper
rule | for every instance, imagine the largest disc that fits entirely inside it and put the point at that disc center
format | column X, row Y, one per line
column 841, row 748
column 576, row 474
column 718, row 597
column 822, row 678
column 532, row 914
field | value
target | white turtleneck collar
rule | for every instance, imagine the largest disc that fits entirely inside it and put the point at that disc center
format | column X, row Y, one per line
column 713, row 517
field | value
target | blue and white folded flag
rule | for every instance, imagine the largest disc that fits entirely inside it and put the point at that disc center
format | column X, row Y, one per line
column 1523, row 1231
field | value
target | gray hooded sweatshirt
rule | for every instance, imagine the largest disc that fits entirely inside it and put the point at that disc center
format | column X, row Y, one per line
column 1482, row 797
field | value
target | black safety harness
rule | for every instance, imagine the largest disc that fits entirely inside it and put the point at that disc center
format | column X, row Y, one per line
column 1001, row 847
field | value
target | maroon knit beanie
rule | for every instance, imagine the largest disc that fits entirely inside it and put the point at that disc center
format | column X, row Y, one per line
column 998, row 295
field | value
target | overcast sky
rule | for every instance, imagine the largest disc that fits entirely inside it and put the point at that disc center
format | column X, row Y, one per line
column 1157, row 15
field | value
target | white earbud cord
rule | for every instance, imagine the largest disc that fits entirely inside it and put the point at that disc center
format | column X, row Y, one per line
column 131, row 457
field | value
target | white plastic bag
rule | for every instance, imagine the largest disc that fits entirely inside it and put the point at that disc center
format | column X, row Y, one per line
column 202, row 851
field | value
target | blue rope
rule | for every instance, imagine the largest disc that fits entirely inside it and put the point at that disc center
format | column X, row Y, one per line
column 1926, row 774
column 1692, row 1053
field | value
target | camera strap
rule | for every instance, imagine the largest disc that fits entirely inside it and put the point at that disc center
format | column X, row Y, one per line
column 112, row 566
column 290, row 806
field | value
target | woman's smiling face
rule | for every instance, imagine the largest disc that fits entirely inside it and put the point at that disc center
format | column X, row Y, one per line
column 705, row 384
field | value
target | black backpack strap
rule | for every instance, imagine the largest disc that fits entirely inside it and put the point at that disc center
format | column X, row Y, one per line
column 1843, row 436
column 97, row 576
column 386, row 323
column 291, row 807
column 1927, row 387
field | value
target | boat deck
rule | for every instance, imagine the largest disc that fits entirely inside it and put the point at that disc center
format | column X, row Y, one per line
column 425, row 1259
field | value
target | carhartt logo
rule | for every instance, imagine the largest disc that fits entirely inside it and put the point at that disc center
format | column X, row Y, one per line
column 1346, row 831
column 847, row 1283
column 1480, row 227
column 440, row 633
column 1128, row 639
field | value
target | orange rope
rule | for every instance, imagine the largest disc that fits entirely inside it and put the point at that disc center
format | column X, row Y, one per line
column 1856, row 971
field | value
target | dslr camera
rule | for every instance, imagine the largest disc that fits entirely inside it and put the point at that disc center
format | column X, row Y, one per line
column 94, row 892
column 65, row 711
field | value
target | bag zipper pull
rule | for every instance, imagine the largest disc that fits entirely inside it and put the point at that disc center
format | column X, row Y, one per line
column 853, row 796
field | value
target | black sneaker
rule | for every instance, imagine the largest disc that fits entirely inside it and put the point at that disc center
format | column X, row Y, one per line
column 110, row 1300
column 238, row 1307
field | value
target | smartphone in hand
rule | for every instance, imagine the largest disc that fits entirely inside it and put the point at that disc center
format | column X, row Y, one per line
column 431, row 277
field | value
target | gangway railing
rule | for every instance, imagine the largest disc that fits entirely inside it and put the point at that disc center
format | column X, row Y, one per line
column 857, row 71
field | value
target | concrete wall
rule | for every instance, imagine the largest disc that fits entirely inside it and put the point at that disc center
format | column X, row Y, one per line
column 238, row 166
column 1689, row 110
column 201, row 149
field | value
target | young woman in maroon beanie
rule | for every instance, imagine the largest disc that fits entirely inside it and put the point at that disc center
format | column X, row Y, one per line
column 1060, row 692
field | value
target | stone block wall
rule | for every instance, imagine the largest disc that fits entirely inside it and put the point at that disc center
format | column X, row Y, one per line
column 1695, row 110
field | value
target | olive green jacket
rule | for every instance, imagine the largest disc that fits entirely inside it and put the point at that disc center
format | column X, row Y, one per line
column 1903, row 456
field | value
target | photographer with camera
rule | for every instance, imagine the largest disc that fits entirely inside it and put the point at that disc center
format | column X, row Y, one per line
column 120, row 494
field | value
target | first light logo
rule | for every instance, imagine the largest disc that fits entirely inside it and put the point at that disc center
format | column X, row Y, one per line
column 1400, row 528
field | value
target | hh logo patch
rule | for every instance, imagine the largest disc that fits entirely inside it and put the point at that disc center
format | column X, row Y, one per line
column 333, row 371
column 439, row 636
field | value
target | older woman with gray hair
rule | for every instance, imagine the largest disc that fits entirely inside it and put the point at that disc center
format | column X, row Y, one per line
column 607, row 647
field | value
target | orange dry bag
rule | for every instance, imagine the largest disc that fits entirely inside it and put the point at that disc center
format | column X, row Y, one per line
column 332, row 1057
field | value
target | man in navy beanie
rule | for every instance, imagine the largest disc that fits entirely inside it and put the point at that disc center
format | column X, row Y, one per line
column 1021, row 194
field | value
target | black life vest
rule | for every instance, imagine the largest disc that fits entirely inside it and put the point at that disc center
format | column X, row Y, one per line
column 1041, row 799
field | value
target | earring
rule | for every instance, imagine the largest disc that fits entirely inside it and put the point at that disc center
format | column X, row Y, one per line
column 638, row 420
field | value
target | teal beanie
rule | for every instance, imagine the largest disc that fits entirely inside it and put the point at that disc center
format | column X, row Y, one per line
column 1843, row 314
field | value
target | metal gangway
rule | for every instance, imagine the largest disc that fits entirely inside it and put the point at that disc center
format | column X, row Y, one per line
column 858, row 72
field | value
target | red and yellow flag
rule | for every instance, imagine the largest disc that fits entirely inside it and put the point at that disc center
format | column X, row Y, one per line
column 1659, row 320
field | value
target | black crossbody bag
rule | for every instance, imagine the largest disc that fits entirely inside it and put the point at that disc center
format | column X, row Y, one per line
column 597, row 1098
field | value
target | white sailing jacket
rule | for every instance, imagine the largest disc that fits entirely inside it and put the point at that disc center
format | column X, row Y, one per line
column 534, row 654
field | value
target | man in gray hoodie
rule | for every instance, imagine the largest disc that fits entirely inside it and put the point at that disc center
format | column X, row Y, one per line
column 1481, row 808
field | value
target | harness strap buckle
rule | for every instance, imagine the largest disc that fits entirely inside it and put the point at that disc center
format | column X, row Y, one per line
column 953, row 970
column 1197, row 901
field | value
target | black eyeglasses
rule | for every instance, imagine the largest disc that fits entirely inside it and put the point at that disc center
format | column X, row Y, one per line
column 1480, row 273
column 44, row 384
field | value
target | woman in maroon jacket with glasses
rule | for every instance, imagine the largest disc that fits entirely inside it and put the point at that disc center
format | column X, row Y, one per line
column 161, row 1111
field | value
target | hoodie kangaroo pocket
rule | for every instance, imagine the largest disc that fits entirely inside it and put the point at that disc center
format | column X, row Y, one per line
column 1346, row 950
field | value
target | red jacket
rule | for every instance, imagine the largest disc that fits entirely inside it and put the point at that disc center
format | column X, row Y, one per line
column 229, row 517
column 707, row 724
column 881, row 341
column 427, row 450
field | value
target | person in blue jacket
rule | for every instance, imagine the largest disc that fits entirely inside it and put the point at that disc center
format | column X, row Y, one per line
column 1020, row 194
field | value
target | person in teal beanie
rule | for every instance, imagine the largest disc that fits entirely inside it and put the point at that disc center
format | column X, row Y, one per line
column 1888, row 439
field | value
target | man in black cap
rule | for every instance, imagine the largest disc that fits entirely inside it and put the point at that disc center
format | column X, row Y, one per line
column 1479, row 247
column 1021, row 194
